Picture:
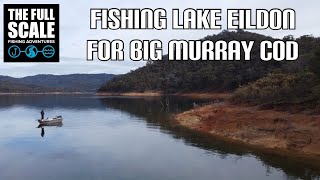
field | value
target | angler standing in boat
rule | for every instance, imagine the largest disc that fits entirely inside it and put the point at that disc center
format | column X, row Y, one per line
column 42, row 114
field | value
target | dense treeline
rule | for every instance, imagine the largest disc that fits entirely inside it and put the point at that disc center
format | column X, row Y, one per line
column 280, row 88
column 193, row 76
column 301, row 86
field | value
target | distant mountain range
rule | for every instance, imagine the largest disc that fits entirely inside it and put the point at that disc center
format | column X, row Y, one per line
column 53, row 83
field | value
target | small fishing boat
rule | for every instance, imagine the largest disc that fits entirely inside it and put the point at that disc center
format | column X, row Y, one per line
column 55, row 120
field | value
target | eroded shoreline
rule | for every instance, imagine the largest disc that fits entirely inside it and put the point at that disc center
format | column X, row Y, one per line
column 157, row 94
column 281, row 132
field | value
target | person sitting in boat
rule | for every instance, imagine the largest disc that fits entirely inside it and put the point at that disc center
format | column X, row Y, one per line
column 42, row 114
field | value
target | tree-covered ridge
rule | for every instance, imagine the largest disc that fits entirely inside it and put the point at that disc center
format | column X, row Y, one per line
column 54, row 83
column 190, row 76
column 14, row 87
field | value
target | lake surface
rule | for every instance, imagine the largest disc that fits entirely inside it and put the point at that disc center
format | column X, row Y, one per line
column 123, row 138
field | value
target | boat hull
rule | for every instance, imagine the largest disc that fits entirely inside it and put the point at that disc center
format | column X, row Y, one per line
column 51, row 125
column 50, row 122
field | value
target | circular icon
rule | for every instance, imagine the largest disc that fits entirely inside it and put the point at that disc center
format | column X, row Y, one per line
column 14, row 51
column 31, row 51
column 48, row 51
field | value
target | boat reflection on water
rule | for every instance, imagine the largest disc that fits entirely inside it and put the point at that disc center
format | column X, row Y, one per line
column 58, row 124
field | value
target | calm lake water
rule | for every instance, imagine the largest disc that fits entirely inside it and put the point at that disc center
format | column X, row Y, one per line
column 122, row 138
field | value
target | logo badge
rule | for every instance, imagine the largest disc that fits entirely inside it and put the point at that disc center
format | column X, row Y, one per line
column 31, row 32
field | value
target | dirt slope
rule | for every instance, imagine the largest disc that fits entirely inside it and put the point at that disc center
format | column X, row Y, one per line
column 264, row 128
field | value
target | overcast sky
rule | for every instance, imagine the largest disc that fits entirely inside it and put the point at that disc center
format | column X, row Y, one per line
column 74, row 30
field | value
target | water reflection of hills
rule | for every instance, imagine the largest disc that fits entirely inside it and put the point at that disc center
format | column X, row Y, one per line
column 150, row 110
column 51, row 101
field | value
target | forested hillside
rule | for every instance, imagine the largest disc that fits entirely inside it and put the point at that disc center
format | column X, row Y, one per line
column 13, row 87
column 54, row 83
column 217, row 76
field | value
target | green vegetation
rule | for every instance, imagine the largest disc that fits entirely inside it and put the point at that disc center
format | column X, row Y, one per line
column 257, row 80
column 279, row 88
column 298, row 87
